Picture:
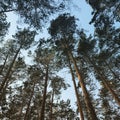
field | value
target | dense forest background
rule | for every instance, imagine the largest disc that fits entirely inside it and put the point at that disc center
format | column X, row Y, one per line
column 31, row 81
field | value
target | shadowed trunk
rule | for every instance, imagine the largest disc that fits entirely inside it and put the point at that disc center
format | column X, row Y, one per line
column 20, row 114
column 105, row 83
column 9, row 70
column 44, row 96
column 5, row 86
column 51, row 105
column 29, row 102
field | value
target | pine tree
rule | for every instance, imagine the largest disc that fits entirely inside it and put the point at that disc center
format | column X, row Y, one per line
column 23, row 40
column 62, row 30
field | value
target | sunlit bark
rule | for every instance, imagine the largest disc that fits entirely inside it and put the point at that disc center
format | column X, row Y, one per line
column 76, row 92
column 88, row 103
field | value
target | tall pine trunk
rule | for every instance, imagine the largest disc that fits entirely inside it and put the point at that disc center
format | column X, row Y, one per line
column 88, row 103
column 51, row 106
column 5, row 87
column 44, row 96
column 76, row 92
column 21, row 110
column 29, row 102
column 105, row 83
column 9, row 70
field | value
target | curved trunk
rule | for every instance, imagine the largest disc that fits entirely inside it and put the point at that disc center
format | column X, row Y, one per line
column 44, row 96
column 88, row 103
column 76, row 92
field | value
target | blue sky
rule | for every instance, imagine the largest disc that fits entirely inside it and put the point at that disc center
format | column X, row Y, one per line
column 83, row 12
column 78, row 8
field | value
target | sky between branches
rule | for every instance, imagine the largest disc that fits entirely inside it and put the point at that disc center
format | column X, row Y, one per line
column 82, row 11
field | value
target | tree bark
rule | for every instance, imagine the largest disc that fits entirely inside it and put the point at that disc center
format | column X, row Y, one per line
column 76, row 92
column 51, row 105
column 5, row 86
column 29, row 102
column 105, row 83
column 88, row 103
column 44, row 96
column 9, row 70
column 20, row 114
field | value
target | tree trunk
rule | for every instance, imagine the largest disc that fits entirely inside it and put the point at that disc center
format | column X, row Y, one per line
column 105, row 83
column 89, row 105
column 29, row 102
column 9, row 70
column 51, row 105
column 20, row 114
column 76, row 92
column 44, row 96
column 5, row 87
